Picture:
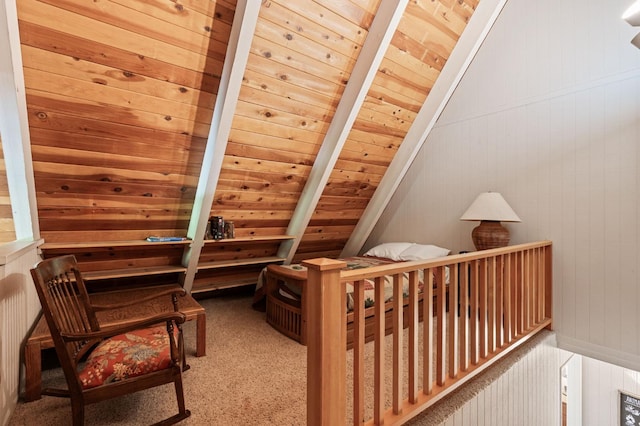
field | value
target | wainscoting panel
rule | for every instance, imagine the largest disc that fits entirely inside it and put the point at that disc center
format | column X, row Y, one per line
column 528, row 394
column 602, row 382
column 19, row 307
column 523, row 390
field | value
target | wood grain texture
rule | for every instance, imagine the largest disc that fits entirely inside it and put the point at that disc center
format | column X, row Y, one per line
column 120, row 97
column 422, row 43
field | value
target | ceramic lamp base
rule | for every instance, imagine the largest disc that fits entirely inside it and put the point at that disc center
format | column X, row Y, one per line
column 490, row 234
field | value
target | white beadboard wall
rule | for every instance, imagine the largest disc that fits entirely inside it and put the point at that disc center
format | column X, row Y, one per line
column 19, row 307
column 527, row 394
column 548, row 114
column 601, row 383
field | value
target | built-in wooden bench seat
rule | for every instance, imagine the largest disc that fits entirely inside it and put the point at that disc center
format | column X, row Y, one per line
column 40, row 338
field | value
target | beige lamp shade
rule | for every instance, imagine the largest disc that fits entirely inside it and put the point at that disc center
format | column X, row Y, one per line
column 632, row 14
column 490, row 208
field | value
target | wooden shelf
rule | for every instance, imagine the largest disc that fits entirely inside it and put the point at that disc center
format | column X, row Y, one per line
column 239, row 262
column 220, row 286
column 132, row 272
column 251, row 238
column 248, row 256
column 97, row 254
column 125, row 243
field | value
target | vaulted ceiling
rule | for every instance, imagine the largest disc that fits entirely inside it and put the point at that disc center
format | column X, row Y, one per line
column 146, row 117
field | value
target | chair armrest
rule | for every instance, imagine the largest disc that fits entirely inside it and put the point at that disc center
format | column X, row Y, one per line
column 177, row 317
column 162, row 291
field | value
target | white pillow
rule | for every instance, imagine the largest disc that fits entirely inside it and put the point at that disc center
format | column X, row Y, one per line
column 388, row 250
column 423, row 252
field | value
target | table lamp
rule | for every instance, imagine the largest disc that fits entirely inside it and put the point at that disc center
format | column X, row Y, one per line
column 632, row 16
column 490, row 208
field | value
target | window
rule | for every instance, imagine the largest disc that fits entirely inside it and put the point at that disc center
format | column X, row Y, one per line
column 7, row 228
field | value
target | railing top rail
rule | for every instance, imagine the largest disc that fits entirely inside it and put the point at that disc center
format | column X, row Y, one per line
column 402, row 267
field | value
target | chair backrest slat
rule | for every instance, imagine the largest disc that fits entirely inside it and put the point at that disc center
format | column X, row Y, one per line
column 65, row 302
column 72, row 308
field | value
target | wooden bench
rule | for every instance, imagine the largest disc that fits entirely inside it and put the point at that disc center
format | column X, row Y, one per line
column 40, row 337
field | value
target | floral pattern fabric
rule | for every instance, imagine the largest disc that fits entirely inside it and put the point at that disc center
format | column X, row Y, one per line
column 127, row 355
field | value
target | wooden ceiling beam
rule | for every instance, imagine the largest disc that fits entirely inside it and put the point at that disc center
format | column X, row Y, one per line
column 242, row 31
column 468, row 45
column 373, row 50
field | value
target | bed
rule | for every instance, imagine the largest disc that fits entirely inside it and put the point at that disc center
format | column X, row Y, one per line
column 283, row 289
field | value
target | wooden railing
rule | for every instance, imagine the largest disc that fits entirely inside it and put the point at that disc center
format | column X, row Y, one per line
column 496, row 300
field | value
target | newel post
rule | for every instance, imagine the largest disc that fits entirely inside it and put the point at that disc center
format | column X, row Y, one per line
column 326, row 343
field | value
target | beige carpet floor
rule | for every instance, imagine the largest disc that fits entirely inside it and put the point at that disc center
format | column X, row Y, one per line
column 252, row 375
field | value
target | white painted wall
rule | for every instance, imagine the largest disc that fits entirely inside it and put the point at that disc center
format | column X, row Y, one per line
column 548, row 114
column 601, row 383
column 571, row 382
column 529, row 392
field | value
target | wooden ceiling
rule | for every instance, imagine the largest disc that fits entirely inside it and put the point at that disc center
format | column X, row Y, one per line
column 122, row 94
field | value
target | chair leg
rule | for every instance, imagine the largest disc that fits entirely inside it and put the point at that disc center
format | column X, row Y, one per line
column 183, row 413
column 183, row 358
column 77, row 410
column 180, row 395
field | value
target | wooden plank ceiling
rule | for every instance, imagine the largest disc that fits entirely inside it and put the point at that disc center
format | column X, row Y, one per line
column 120, row 96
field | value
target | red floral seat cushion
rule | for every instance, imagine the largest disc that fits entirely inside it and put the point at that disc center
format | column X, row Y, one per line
column 127, row 355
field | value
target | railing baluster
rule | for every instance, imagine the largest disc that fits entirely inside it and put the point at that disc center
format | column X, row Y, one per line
column 483, row 308
column 513, row 285
column 474, row 344
column 529, row 256
column 358, row 353
column 454, row 348
column 398, row 335
column 499, row 302
column 522, row 294
column 427, row 333
column 464, row 315
column 534, row 287
column 413, row 335
column 530, row 289
column 508, row 314
column 548, row 282
column 540, row 279
column 441, row 333
column 492, row 299
column 378, row 385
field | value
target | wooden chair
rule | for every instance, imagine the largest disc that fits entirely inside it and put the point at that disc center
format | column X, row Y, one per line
column 98, row 363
